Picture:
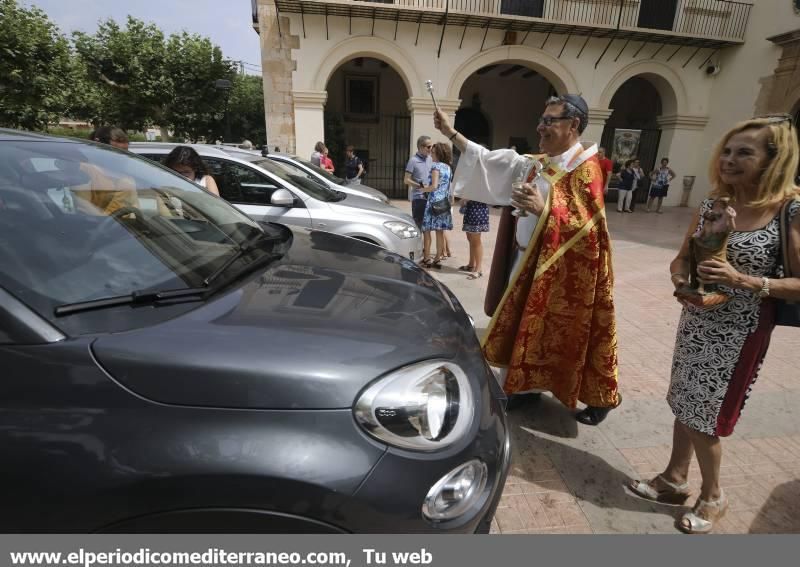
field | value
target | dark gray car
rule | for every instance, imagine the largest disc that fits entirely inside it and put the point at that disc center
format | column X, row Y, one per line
column 171, row 365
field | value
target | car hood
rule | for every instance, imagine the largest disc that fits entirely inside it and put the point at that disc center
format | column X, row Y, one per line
column 361, row 191
column 308, row 332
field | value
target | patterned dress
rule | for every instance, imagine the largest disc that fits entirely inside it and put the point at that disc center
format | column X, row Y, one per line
column 476, row 217
column 442, row 191
column 719, row 350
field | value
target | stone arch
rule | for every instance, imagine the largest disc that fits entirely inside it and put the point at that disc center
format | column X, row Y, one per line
column 540, row 61
column 374, row 47
column 667, row 82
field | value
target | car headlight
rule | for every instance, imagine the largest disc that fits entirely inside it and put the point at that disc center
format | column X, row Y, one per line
column 456, row 492
column 424, row 407
column 401, row 229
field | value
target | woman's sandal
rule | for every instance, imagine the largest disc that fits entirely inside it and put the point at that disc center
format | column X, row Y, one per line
column 426, row 262
column 672, row 494
column 475, row 275
column 465, row 268
column 437, row 263
column 704, row 515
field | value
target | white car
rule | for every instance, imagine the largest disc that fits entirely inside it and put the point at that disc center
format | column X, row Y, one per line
column 264, row 190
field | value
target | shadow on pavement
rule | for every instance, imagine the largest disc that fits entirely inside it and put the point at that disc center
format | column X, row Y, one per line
column 781, row 512
column 588, row 476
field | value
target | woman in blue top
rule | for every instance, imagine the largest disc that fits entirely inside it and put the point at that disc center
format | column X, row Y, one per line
column 439, row 189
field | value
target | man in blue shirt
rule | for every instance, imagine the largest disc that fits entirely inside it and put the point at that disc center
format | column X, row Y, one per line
column 418, row 171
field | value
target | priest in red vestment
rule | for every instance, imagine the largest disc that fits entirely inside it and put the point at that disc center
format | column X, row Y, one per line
column 554, row 328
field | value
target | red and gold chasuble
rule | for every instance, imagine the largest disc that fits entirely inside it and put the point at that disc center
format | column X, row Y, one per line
column 555, row 328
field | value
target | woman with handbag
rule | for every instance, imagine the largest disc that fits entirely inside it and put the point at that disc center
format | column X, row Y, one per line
column 719, row 349
column 438, row 216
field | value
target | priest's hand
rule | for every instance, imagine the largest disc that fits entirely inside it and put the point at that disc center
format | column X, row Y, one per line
column 442, row 123
column 528, row 198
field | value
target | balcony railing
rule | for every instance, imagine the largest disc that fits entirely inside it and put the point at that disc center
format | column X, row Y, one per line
column 709, row 23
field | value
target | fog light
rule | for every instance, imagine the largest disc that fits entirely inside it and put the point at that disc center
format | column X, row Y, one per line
column 456, row 492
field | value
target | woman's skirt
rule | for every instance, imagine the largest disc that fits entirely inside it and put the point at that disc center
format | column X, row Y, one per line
column 476, row 217
column 659, row 190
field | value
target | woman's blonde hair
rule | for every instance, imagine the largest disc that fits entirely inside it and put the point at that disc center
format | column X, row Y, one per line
column 777, row 180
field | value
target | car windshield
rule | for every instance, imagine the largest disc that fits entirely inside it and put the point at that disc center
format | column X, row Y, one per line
column 300, row 180
column 81, row 222
column 317, row 169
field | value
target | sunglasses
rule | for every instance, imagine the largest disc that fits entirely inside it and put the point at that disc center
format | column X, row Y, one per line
column 777, row 118
column 548, row 120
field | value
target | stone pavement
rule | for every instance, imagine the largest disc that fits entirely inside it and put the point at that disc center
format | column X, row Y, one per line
column 568, row 478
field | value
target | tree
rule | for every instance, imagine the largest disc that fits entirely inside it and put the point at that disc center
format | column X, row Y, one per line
column 35, row 68
column 194, row 64
column 129, row 66
column 246, row 109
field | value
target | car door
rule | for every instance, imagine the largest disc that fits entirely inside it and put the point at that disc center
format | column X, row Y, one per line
column 250, row 191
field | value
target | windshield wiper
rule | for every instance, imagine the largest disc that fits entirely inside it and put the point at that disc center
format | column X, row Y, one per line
column 140, row 297
column 134, row 298
column 245, row 248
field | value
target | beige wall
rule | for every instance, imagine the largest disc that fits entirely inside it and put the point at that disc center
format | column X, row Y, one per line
column 696, row 108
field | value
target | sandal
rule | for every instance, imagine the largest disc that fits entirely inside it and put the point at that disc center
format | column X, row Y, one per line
column 673, row 494
column 475, row 275
column 426, row 262
column 437, row 263
column 704, row 515
column 465, row 268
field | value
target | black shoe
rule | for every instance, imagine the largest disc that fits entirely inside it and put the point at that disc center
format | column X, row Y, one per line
column 516, row 401
column 594, row 415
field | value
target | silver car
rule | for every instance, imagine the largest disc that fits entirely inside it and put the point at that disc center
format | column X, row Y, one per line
column 266, row 191
column 298, row 165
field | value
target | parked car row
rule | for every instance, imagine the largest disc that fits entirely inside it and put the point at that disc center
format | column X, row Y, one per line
column 170, row 364
column 268, row 190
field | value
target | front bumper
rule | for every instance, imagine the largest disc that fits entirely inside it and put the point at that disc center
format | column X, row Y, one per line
column 409, row 247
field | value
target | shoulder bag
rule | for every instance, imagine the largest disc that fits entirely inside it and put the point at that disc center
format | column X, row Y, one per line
column 787, row 313
column 441, row 206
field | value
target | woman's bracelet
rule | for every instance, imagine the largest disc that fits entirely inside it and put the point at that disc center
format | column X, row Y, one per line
column 453, row 136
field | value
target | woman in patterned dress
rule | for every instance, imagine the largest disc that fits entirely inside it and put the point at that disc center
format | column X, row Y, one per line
column 719, row 350
column 476, row 221
column 439, row 188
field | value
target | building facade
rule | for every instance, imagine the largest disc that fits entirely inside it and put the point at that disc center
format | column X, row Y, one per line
column 661, row 77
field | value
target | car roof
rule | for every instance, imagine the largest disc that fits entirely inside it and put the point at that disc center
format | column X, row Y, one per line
column 166, row 147
column 8, row 135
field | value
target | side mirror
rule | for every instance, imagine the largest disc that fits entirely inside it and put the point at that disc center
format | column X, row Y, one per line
column 282, row 198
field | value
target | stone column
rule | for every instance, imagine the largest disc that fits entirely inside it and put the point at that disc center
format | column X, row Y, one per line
column 421, row 109
column 681, row 142
column 277, row 67
column 309, row 120
column 597, row 122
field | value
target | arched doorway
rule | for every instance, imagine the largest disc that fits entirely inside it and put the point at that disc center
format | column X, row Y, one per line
column 632, row 130
column 513, row 95
column 367, row 108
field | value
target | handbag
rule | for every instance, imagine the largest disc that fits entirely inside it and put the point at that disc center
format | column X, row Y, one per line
column 787, row 313
column 441, row 206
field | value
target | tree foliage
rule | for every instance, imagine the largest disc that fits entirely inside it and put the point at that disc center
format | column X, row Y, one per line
column 131, row 76
column 246, row 110
column 35, row 68
column 129, row 67
column 196, row 105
